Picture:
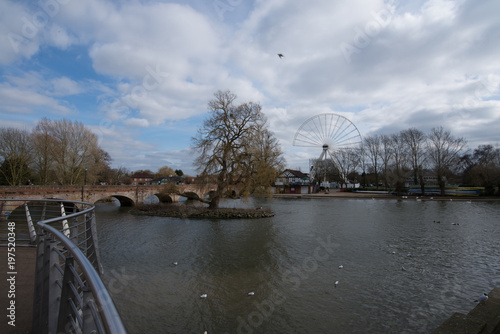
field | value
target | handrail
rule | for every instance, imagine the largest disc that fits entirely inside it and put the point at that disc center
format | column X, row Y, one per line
column 112, row 321
column 68, row 216
column 70, row 295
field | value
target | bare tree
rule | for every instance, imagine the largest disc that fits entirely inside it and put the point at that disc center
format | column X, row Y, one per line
column 43, row 148
column 415, row 141
column 444, row 152
column 347, row 161
column 326, row 169
column 483, row 168
column 399, row 166
column 16, row 155
column 373, row 151
column 386, row 156
column 234, row 146
column 67, row 151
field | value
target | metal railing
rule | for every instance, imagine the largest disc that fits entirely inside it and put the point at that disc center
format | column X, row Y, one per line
column 70, row 296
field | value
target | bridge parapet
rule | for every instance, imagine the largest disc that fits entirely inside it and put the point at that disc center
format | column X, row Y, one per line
column 126, row 194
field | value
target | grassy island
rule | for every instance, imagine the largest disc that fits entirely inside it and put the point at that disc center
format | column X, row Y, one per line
column 184, row 211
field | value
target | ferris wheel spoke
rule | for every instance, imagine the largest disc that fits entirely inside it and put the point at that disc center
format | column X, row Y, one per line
column 307, row 137
column 338, row 132
column 331, row 129
column 326, row 124
column 350, row 132
column 305, row 142
column 314, row 132
column 318, row 130
column 349, row 136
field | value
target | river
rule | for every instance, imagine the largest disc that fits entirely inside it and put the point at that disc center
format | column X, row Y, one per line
column 401, row 266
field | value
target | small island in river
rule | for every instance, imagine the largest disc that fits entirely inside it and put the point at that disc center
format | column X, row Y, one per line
column 186, row 211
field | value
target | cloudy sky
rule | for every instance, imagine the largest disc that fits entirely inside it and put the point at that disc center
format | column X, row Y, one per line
column 140, row 73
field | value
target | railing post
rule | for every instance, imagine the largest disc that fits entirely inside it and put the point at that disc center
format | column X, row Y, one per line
column 45, row 287
column 65, row 221
column 64, row 306
column 37, row 322
column 31, row 227
column 54, row 288
column 92, row 246
column 43, row 211
column 89, row 323
column 74, row 231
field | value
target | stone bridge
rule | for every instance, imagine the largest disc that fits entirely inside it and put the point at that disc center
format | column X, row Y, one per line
column 128, row 195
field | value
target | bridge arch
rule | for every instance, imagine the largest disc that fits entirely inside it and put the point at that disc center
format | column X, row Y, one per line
column 124, row 200
column 191, row 195
column 165, row 198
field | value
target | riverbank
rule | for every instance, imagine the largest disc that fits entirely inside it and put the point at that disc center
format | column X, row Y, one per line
column 181, row 211
column 484, row 318
column 336, row 193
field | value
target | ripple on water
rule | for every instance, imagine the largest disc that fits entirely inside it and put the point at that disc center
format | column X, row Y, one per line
column 284, row 261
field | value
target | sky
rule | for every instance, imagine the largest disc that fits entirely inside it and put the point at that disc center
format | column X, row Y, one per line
column 139, row 74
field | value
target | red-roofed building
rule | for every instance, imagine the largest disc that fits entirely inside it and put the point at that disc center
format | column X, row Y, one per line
column 141, row 177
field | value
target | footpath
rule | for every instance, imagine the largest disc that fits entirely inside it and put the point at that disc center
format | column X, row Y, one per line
column 17, row 296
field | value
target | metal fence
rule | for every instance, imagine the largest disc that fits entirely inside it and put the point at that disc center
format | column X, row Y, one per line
column 70, row 296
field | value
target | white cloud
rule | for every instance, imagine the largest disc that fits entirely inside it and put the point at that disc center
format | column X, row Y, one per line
column 16, row 100
column 17, row 39
column 65, row 86
column 136, row 122
column 59, row 37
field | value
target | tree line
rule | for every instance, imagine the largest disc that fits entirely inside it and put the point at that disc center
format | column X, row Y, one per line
column 54, row 152
column 236, row 147
column 411, row 156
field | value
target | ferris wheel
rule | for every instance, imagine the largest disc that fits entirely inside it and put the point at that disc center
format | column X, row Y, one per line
column 332, row 133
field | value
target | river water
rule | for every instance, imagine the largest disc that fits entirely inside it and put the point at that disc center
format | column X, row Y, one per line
column 402, row 271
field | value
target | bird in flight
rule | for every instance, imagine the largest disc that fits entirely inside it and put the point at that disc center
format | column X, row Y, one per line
column 280, row 55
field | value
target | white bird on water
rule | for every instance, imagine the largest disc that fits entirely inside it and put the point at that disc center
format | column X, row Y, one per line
column 203, row 295
column 482, row 299
column 335, row 284
column 341, row 267
column 251, row 293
